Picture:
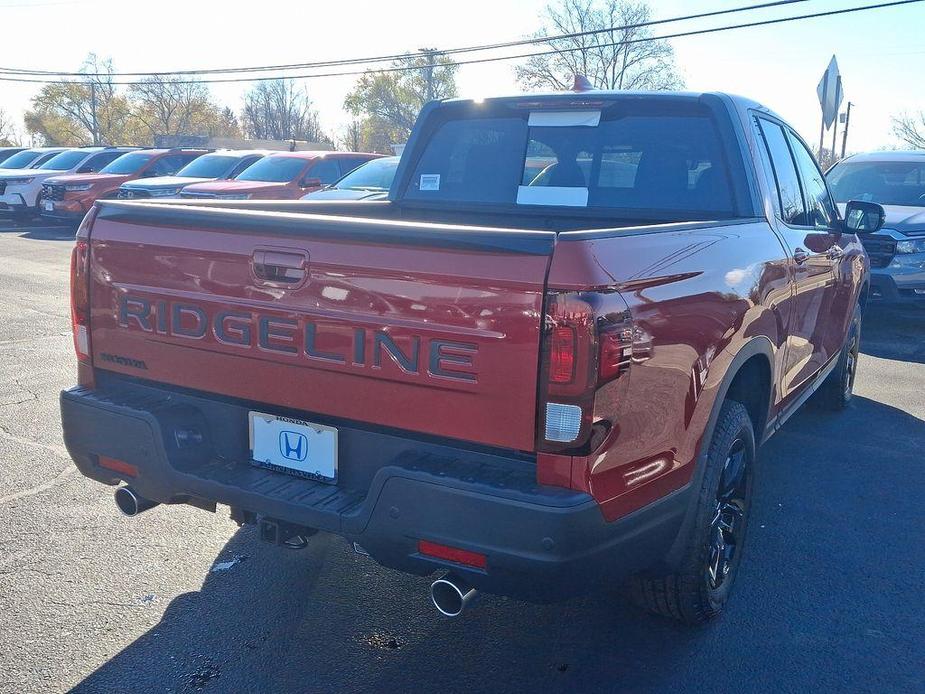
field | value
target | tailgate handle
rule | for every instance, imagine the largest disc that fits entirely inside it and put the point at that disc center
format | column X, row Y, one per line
column 280, row 268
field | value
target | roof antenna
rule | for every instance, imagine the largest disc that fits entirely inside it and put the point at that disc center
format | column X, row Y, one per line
column 582, row 84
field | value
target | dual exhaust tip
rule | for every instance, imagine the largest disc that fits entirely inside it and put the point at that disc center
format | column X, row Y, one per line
column 131, row 503
column 450, row 594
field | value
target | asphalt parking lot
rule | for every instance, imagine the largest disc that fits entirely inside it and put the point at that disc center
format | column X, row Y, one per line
column 179, row 600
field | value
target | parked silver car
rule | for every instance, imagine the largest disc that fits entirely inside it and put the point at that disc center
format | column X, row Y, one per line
column 220, row 165
column 896, row 180
column 370, row 181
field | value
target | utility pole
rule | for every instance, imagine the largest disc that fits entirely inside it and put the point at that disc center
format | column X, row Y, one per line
column 430, row 55
column 96, row 130
column 821, row 138
column 844, row 135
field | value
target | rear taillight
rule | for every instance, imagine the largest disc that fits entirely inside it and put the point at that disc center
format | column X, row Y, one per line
column 80, row 298
column 80, row 289
column 587, row 343
column 562, row 344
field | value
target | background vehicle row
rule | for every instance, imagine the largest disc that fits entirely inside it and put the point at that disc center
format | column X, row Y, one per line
column 282, row 176
column 63, row 183
column 20, row 189
column 221, row 164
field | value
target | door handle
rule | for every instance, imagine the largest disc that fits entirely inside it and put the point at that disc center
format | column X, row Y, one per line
column 280, row 268
column 800, row 256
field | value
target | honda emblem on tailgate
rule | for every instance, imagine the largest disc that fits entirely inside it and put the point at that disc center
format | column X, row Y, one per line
column 293, row 445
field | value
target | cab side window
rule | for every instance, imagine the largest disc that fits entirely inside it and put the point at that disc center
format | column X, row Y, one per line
column 348, row 164
column 820, row 211
column 327, row 170
column 243, row 164
column 792, row 210
column 98, row 161
column 169, row 165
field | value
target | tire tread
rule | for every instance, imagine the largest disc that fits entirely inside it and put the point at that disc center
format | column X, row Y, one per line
column 680, row 596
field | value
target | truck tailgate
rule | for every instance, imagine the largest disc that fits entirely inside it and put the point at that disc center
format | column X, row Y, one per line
column 432, row 329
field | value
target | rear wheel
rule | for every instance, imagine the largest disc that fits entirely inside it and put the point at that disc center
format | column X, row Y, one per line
column 713, row 553
column 836, row 392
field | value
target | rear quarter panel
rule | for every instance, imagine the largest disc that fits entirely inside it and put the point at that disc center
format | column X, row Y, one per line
column 697, row 297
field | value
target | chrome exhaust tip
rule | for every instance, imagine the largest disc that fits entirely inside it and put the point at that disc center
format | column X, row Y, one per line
column 451, row 594
column 130, row 503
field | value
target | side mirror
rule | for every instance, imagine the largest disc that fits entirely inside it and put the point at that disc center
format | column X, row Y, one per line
column 863, row 217
column 311, row 182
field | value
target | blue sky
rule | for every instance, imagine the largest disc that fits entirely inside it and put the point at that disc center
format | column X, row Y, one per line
column 880, row 52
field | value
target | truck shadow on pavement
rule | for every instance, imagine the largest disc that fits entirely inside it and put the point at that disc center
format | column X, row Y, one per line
column 827, row 596
column 39, row 231
column 894, row 333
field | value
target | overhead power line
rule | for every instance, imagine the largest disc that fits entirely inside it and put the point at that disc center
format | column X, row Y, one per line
column 397, row 56
column 404, row 68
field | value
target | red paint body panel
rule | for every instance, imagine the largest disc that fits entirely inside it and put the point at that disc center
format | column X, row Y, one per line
column 488, row 302
column 697, row 298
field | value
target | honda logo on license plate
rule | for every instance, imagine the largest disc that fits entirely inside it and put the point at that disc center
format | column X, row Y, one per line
column 293, row 445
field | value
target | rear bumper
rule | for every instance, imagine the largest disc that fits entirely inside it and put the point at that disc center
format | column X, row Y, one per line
column 541, row 543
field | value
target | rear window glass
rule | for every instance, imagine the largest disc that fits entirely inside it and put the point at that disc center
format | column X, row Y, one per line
column 651, row 161
column 208, row 166
column 274, row 170
column 127, row 163
column 472, row 160
column 21, row 160
column 375, row 175
column 65, row 161
column 886, row 182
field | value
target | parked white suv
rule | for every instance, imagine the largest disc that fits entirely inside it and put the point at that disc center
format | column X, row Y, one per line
column 20, row 188
column 30, row 158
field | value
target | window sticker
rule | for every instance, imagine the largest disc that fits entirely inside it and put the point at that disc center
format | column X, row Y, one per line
column 564, row 119
column 429, row 182
column 559, row 196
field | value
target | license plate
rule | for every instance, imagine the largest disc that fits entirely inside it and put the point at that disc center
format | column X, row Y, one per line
column 49, row 206
column 294, row 446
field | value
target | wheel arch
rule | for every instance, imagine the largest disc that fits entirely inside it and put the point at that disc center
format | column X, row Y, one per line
column 753, row 358
column 756, row 354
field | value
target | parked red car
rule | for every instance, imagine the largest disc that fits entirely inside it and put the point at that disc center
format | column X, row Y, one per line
column 69, row 197
column 282, row 176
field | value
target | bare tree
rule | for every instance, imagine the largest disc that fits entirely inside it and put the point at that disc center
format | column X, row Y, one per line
column 228, row 124
column 351, row 136
column 279, row 110
column 9, row 134
column 70, row 113
column 169, row 105
column 617, row 58
column 910, row 128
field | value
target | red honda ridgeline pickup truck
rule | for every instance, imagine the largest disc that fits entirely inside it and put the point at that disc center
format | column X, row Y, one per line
column 544, row 364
